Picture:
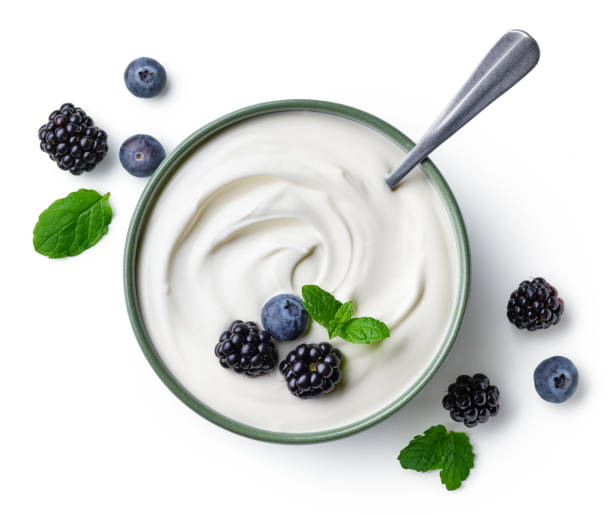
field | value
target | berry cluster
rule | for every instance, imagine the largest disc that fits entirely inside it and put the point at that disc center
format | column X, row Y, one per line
column 534, row 305
column 472, row 400
column 312, row 370
column 246, row 349
column 72, row 140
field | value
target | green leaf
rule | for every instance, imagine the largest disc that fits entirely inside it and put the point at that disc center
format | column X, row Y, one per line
column 336, row 317
column 341, row 317
column 72, row 224
column 344, row 313
column 321, row 305
column 335, row 329
column 365, row 330
column 450, row 452
column 458, row 460
column 424, row 452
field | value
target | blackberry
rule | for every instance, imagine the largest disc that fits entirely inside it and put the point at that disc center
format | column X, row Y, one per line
column 471, row 400
column 71, row 139
column 245, row 348
column 534, row 305
column 312, row 370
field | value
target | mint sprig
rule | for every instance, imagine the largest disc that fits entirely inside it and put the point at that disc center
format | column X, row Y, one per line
column 338, row 318
column 72, row 224
column 450, row 452
column 321, row 305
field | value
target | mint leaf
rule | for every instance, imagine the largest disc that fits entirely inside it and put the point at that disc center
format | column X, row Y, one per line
column 364, row 330
column 458, row 460
column 72, row 224
column 342, row 316
column 337, row 317
column 344, row 313
column 424, row 452
column 321, row 305
column 335, row 329
column 450, row 452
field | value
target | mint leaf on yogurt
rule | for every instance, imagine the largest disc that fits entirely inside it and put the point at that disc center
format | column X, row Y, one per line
column 364, row 330
column 450, row 452
column 344, row 313
column 321, row 305
column 342, row 316
column 72, row 224
column 338, row 319
column 335, row 329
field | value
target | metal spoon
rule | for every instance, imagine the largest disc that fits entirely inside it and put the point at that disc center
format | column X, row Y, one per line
column 512, row 57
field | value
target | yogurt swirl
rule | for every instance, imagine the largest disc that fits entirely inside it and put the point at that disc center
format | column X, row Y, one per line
column 271, row 204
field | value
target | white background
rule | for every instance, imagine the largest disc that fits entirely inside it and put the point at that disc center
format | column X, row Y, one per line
column 88, row 428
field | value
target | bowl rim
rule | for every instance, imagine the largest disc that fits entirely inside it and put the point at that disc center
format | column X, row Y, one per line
column 172, row 163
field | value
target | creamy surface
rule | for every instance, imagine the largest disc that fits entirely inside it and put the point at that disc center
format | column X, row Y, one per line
column 271, row 204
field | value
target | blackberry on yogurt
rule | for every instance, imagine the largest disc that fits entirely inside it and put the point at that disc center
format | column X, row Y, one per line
column 472, row 400
column 246, row 349
column 312, row 370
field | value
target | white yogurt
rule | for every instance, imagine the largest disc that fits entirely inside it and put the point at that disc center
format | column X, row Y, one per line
column 271, row 204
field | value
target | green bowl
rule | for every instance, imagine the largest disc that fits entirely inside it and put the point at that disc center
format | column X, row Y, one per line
column 147, row 200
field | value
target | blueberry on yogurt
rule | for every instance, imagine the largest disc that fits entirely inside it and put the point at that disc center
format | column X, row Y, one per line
column 284, row 317
column 145, row 77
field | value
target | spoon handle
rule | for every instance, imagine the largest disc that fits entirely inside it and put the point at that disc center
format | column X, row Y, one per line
column 512, row 57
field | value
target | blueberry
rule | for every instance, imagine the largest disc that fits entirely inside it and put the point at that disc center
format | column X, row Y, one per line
column 556, row 379
column 145, row 77
column 284, row 317
column 141, row 154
